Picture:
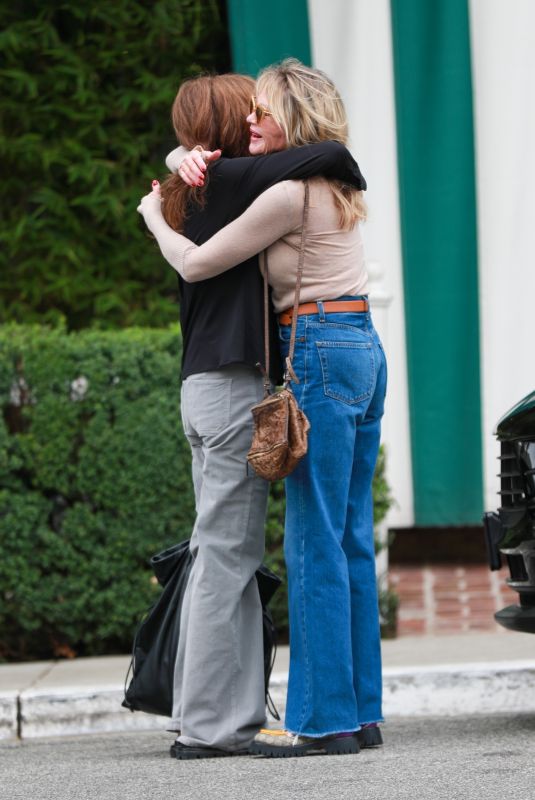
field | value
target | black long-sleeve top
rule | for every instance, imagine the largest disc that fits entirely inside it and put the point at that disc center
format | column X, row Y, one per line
column 222, row 317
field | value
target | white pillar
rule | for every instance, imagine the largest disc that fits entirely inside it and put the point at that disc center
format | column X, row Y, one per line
column 503, row 58
column 380, row 301
column 352, row 42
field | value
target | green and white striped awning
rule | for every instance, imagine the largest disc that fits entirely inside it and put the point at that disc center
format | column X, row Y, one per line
column 440, row 100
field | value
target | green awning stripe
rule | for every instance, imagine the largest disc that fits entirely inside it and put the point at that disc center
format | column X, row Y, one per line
column 262, row 33
column 438, row 220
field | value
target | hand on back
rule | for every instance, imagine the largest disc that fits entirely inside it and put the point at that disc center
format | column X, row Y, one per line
column 151, row 201
column 193, row 166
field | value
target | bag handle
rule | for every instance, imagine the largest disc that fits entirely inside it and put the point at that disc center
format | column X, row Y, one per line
column 289, row 374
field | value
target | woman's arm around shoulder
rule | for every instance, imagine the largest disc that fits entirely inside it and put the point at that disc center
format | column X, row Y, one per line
column 251, row 175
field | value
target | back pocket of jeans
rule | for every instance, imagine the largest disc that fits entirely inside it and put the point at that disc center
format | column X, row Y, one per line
column 348, row 370
column 206, row 405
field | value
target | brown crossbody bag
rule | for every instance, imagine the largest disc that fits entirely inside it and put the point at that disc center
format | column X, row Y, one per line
column 280, row 438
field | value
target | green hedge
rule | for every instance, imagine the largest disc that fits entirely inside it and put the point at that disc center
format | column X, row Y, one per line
column 85, row 97
column 94, row 479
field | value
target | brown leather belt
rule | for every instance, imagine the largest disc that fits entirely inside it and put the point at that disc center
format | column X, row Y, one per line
column 329, row 306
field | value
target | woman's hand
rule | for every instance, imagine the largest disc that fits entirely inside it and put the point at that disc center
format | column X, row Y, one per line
column 193, row 166
column 151, row 203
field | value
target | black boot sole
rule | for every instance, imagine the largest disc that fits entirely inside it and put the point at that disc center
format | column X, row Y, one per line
column 336, row 747
column 369, row 737
column 185, row 752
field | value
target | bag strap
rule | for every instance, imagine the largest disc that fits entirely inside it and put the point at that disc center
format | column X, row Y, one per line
column 289, row 373
column 265, row 369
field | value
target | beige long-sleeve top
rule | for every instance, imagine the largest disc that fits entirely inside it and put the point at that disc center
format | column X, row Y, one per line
column 334, row 259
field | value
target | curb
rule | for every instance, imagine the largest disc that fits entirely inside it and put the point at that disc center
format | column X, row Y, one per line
column 453, row 690
column 441, row 690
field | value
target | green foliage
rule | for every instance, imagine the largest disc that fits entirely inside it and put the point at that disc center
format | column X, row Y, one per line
column 382, row 499
column 274, row 557
column 86, row 91
column 95, row 477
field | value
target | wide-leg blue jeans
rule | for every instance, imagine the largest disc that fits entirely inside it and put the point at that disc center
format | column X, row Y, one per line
column 335, row 655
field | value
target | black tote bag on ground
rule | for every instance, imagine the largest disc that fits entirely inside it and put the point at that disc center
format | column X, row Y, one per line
column 156, row 639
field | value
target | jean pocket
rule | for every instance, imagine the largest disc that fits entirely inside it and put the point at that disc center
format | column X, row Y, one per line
column 206, row 406
column 285, row 333
column 348, row 370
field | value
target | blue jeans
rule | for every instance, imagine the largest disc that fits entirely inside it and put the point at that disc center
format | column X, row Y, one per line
column 335, row 651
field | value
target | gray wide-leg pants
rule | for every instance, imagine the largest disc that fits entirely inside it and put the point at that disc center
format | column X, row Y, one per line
column 219, row 675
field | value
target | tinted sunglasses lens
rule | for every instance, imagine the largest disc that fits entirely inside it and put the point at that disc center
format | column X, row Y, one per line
column 257, row 110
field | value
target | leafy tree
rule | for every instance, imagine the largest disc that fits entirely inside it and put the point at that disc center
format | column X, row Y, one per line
column 86, row 91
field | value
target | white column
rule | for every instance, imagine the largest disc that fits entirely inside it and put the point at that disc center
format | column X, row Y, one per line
column 503, row 66
column 380, row 301
column 351, row 42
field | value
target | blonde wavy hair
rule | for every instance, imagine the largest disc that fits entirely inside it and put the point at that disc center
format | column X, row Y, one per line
column 309, row 109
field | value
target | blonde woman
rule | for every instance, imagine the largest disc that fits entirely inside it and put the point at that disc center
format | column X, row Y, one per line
column 334, row 689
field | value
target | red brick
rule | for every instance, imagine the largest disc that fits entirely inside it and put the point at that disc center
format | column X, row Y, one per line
column 479, row 586
column 407, row 570
column 411, row 613
column 464, row 599
column 441, row 596
column 410, row 605
column 411, row 626
column 445, row 588
column 510, row 596
column 449, row 616
column 482, row 605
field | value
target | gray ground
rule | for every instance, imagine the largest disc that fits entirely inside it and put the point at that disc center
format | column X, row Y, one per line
column 485, row 758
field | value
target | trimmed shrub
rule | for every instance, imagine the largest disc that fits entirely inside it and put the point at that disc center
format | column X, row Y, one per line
column 95, row 477
column 86, row 93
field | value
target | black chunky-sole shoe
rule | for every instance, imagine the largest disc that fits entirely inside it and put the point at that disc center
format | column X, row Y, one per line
column 186, row 751
column 370, row 737
column 281, row 744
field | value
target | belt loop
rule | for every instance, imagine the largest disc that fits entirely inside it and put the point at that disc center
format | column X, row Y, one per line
column 321, row 310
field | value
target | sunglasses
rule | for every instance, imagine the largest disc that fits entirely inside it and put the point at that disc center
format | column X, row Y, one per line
column 258, row 110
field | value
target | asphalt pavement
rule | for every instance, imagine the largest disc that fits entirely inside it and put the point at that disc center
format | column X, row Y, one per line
column 462, row 758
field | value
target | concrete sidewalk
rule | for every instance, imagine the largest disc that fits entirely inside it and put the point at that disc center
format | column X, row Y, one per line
column 476, row 673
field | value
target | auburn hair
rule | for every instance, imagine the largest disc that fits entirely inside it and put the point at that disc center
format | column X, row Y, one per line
column 209, row 110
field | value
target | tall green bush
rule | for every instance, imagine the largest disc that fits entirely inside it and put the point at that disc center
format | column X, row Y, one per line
column 85, row 97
